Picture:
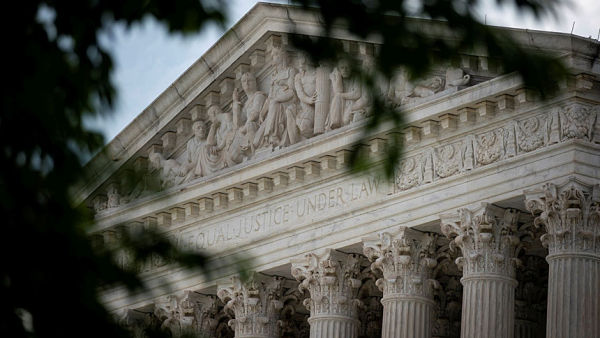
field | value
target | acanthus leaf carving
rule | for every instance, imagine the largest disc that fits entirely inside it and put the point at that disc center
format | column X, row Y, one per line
column 570, row 214
column 489, row 239
column 257, row 304
column 332, row 280
column 406, row 259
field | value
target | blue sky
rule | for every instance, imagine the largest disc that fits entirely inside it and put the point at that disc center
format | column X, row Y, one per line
column 148, row 59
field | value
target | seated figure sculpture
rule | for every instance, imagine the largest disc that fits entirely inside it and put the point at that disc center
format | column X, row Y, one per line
column 363, row 107
column 194, row 146
column 246, row 115
column 306, row 88
column 280, row 106
column 346, row 90
column 228, row 142
column 168, row 169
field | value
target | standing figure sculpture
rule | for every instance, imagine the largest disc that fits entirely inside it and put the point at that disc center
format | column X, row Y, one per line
column 346, row 90
column 280, row 108
column 246, row 116
column 306, row 88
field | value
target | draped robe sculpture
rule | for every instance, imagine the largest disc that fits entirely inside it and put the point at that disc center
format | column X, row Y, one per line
column 280, row 108
column 246, row 115
column 346, row 89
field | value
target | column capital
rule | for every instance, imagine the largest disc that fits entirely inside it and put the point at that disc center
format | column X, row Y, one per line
column 406, row 259
column 257, row 303
column 332, row 279
column 137, row 322
column 489, row 238
column 570, row 214
column 189, row 313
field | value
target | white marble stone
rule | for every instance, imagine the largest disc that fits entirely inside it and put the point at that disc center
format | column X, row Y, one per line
column 242, row 157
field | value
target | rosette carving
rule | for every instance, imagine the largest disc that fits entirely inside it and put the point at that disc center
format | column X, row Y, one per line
column 489, row 239
column 570, row 214
column 406, row 259
column 332, row 279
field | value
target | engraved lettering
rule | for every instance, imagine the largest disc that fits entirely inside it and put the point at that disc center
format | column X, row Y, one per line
column 199, row 241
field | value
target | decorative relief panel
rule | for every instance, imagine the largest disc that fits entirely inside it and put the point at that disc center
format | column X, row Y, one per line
column 515, row 138
column 302, row 100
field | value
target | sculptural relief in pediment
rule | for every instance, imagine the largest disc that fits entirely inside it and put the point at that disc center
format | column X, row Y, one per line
column 299, row 100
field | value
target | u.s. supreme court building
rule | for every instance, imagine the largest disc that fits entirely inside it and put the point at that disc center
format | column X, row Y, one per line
column 489, row 228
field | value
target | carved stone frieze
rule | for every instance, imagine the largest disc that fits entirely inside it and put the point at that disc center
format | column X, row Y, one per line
column 570, row 214
column 532, row 133
column 489, row 147
column 409, row 173
column 515, row 138
column 447, row 160
column 577, row 122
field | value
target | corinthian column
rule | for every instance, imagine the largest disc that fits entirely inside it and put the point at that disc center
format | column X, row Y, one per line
column 488, row 238
column 256, row 303
column 331, row 280
column 405, row 258
column 570, row 213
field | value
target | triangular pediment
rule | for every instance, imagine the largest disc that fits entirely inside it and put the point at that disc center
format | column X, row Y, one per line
column 210, row 131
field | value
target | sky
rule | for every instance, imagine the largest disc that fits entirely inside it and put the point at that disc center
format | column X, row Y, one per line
column 148, row 59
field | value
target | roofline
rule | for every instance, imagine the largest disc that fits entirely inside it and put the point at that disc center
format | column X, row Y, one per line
column 225, row 52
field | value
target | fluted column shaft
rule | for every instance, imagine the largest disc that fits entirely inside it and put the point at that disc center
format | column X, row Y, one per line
column 333, row 327
column 573, row 296
column 488, row 307
column 570, row 214
column 527, row 329
column 405, row 316
column 489, row 239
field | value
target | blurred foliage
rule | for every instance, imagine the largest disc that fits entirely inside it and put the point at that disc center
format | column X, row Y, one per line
column 407, row 46
column 58, row 75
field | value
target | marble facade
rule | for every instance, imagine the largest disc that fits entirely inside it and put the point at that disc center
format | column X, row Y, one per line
column 490, row 227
